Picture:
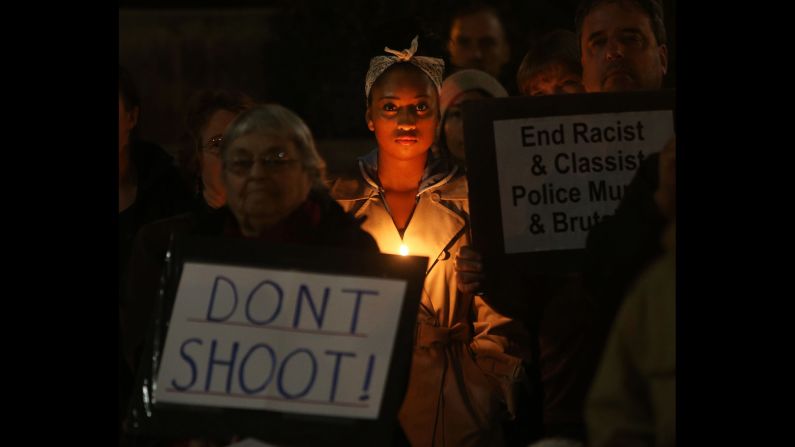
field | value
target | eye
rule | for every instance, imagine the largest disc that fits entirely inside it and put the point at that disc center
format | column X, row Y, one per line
column 632, row 40
column 488, row 43
column 276, row 158
column 389, row 107
column 598, row 42
column 463, row 42
column 241, row 164
column 422, row 107
column 213, row 145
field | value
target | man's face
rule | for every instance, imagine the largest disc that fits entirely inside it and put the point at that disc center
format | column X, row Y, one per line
column 478, row 41
column 619, row 50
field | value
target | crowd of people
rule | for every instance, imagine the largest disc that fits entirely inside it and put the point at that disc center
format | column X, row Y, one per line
column 596, row 356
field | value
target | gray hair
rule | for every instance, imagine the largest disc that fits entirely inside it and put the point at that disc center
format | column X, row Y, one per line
column 277, row 120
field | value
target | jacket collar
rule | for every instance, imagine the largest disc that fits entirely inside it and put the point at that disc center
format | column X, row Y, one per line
column 438, row 171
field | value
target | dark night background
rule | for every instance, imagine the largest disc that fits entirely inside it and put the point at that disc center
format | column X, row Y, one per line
column 310, row 56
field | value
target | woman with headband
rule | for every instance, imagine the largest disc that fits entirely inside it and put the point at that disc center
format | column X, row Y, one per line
column 415, row 202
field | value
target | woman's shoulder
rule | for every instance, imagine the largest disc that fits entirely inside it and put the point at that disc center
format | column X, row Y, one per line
column 456, row 188
column 349, row 188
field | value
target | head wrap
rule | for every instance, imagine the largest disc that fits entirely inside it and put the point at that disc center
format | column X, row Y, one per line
column 466, row 80
column 433, row 67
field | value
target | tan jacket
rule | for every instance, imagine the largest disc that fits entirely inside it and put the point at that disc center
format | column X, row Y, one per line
column 461, row 377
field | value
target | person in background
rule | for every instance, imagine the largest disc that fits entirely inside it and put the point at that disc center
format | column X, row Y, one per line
column 478, row 39
column 150, row 188
column 458, row 88
column 633, row 397
column 276, row 192
column 622, row 47
column 209, row 113
column 552, row 66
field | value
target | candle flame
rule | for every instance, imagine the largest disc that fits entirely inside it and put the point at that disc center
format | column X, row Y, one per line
column 404, row 250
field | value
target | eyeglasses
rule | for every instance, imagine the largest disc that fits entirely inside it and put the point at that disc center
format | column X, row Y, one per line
column 213, row 145
column 272, row 161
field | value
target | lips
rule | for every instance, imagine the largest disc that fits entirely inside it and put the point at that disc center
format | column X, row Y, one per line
column 619, row 72
column 406, row 140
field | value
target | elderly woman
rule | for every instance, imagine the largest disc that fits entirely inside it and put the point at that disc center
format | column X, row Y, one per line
column 416, row 203
column 209, row 113
column 463, row 86
column 274, row 179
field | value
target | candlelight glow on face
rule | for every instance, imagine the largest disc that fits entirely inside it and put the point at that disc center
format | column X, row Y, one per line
column 404, row 250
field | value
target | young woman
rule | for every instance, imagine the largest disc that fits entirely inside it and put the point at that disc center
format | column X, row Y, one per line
column 416, row 203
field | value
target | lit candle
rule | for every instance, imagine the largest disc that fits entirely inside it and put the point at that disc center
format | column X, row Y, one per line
column 404, row 250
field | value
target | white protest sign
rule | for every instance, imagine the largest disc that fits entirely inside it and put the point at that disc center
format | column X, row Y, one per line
column 558, row 176
column 288, row 341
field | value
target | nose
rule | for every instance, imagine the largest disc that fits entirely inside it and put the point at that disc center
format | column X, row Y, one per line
column 258, row 170
column 615, row 50
column 406, row 119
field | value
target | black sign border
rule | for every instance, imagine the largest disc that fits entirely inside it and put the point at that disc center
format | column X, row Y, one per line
column 484, row 198
column 176, row 421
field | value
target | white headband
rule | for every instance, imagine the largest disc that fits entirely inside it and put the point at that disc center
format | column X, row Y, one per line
column 433, row 67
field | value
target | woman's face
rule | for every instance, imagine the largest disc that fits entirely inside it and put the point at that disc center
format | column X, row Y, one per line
column 209, row 157
column 554, row 79
column 454, row 123
column 403, row 112
column 264, row 179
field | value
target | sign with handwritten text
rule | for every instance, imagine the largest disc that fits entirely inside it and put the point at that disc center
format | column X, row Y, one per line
column 281, row 340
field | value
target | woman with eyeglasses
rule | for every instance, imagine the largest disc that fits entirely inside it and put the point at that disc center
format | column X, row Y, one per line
column 275, row 186
column 209, row 113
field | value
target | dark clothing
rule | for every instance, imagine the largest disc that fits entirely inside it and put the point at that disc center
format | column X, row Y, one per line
column 568, row 357
column 160, row 194
column 319, row 221
column 620, row 247
column 573, row 314
column 578, row 311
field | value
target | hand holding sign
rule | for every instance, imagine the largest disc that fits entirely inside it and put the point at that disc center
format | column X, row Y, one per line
column 469, row 267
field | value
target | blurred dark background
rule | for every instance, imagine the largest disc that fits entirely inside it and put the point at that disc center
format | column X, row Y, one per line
column 310, row 56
